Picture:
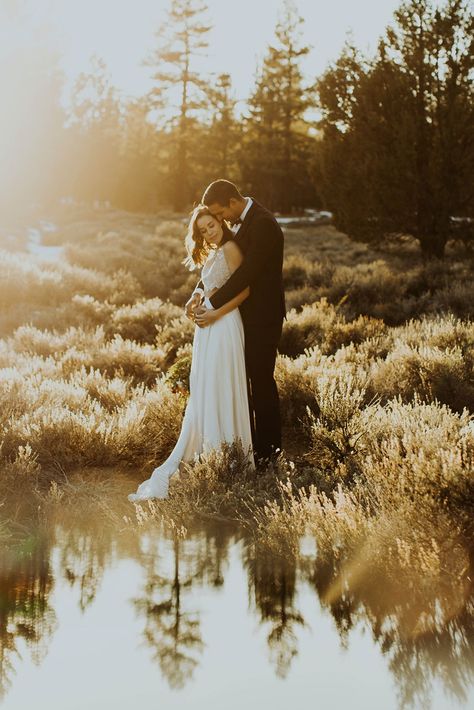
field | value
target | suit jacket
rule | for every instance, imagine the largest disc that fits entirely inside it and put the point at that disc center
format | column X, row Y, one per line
column 261, row 240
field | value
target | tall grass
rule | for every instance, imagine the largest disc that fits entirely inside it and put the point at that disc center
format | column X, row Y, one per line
column 375, row 373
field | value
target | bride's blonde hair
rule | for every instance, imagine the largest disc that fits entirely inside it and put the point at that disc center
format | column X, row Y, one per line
column 196, row 246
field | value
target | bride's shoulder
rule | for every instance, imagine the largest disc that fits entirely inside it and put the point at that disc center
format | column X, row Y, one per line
column 232, row 253
column 231, row 247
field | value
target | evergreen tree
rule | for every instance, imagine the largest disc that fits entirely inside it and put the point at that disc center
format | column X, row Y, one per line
column 398, row 147
column 451, row 116
column 179, row 89
column 142, row 178
column 223, row 133
column 276, row 153
column 95, row 134
column 338, row 163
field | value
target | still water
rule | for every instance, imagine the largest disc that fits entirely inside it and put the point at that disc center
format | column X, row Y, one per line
column 93, row 616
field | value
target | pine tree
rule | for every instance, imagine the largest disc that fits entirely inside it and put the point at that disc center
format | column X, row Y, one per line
column 453, row 118
column 180, row 40
column 95, row 133
column 434, row 50
column 261, row 160
column 275, row 159
column 142, row 178
column 224, row 133
column 339, row 160
column 412, row 41
column 398, row 149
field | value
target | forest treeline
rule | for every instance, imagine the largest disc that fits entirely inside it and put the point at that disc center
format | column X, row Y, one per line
column 385, row 142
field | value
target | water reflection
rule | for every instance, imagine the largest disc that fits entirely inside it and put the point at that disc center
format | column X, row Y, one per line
column 84, row 558
column 172, row 623
column 25, row 611
column 272, row 587
column 174, row 569
column 424, row 639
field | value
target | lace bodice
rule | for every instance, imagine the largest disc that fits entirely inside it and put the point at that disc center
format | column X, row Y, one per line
column 215, row 271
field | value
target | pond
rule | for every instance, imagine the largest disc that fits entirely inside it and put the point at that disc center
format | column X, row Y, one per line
column 35, row 242
column 97, row 615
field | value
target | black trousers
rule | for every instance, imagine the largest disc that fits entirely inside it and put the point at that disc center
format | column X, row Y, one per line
column 261, row 344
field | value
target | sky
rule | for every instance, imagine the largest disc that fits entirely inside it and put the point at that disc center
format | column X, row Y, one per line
column 121, row 32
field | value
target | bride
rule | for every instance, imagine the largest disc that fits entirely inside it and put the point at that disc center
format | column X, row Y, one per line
column 217, row 410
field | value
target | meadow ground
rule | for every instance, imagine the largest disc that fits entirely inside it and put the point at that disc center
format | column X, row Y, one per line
column 375, row 372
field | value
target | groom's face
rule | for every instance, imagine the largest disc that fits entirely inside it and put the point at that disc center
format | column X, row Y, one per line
column 231, row 212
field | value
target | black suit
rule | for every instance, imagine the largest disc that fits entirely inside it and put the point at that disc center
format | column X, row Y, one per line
column 261, row 241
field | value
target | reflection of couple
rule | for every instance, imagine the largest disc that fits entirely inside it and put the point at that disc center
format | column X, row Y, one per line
column 238, row 307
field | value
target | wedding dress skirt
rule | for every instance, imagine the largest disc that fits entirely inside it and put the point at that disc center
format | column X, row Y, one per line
column 217, row 410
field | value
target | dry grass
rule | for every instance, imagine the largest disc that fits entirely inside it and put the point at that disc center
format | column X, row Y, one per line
column 376, row 377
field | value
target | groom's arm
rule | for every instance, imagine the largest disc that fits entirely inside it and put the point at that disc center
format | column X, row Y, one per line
column 269, row 238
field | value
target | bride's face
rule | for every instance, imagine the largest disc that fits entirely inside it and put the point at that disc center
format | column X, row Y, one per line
column 211, row 229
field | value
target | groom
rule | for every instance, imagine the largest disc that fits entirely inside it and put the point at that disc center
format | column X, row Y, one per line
column 261, row 240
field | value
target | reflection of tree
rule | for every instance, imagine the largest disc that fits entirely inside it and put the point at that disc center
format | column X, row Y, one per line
column 445, row 651
column 84, row 557
column 25, row 585
column 84, row 543
column 272, row 583
column 173, row 632
column 340, row 603
column 424, row 636
column 171, row 629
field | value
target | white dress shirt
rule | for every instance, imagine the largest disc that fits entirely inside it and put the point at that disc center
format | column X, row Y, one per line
column 243, row 214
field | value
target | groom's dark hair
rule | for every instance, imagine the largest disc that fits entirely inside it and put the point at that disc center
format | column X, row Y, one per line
column 220, row 191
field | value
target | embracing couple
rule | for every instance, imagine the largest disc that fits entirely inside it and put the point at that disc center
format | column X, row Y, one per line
column 238, row 307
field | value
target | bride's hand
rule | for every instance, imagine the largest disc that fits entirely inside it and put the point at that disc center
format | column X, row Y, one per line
column 205, row 316
column 191, row 306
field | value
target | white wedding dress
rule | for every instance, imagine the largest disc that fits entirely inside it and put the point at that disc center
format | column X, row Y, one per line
column 217, row 410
